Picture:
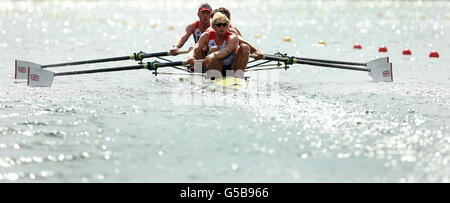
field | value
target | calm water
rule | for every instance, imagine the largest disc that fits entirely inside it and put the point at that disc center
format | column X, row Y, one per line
column 306, row 124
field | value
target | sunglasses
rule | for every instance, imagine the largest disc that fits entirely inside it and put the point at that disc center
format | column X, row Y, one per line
column 221, row 24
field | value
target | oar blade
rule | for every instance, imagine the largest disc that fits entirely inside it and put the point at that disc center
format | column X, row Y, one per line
column 376, row 62
column 38, row 77
column 21, row 69
column 382, row 73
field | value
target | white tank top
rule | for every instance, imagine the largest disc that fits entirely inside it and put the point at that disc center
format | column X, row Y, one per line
column 197, row 32
column 227, row 61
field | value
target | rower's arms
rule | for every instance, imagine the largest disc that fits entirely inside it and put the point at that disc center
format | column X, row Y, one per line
column 230, row 47
column 182, row 39
column 199, row 48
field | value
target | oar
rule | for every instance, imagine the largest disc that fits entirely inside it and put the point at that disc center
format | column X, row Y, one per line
column 326, row 61
column 38, row 77
column 380, row 69
column 332, row 61
column 21, row 67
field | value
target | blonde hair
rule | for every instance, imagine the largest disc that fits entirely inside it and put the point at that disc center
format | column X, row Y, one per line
column 220, row 18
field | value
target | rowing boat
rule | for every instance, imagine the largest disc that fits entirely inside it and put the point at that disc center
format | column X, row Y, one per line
column 37, row 75
column 231, row 83
column 217, row 81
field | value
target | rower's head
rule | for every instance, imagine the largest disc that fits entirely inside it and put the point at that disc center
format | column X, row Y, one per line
column 204, row 12
column 220, row 23
column 223, row 10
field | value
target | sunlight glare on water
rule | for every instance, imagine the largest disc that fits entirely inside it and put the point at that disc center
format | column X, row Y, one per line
column 304, row 124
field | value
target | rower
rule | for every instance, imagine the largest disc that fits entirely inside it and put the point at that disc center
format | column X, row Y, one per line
column 236, row 31
column 223, row 50
column 196, row 28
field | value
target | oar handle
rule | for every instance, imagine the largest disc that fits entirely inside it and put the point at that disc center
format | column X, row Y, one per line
column 182, row 52
column 270, row 57
column 252, row 55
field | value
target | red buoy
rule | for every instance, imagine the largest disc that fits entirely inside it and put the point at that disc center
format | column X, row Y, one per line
column 383, row 49
column 357, row 46
column 434, row 54
column 406, row 52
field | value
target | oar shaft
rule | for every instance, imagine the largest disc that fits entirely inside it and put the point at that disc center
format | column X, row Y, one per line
column 174, row 63
column 150, row 66
column 332, row 61
column 155, row 54
column 328, row 61
column 121, row 58
column 314, row 63
column 100, row 70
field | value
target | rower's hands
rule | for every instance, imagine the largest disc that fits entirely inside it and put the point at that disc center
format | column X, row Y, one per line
column 208, row 59
column 191, row 61
column 174, row 51
column 259, row 55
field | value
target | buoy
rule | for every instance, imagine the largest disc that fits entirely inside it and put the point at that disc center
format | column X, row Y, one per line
column 357, row 46
column 287, row 39
column 383, row 49
column 322, row 42
column 434, row 54
column 406, row 52
column 258, row 36
column 154, row 25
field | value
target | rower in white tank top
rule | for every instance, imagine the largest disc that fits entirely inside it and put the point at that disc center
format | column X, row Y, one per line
column 227, row 61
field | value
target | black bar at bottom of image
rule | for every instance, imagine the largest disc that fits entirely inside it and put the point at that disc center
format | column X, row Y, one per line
column 223, row 191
